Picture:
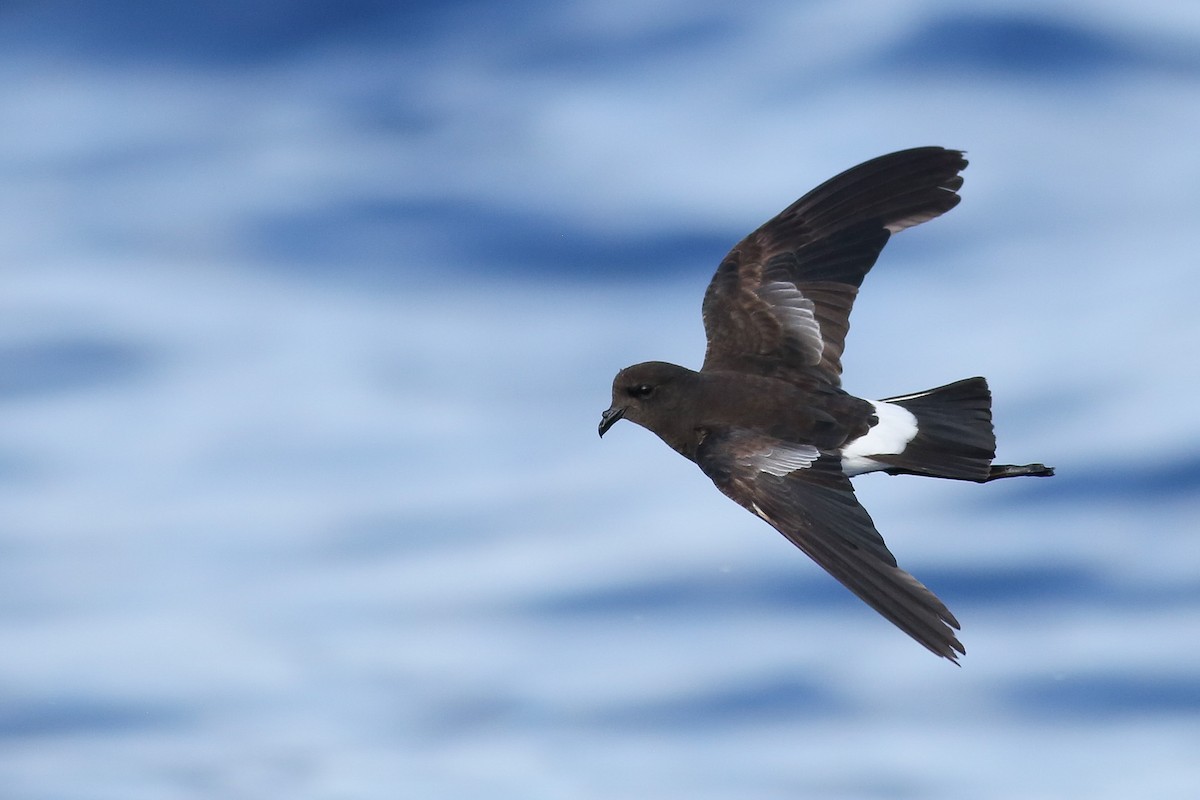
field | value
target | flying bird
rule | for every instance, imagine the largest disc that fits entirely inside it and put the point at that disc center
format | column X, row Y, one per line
column 766, row 418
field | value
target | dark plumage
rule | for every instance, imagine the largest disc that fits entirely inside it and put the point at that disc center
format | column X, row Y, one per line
column 766, row 418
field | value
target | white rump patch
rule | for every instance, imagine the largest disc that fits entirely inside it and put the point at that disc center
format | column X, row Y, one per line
column 897, row 427
column 797, row 313
column 783, row 458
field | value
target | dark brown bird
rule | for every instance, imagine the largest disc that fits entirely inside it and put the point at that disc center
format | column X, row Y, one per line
column 766, row 417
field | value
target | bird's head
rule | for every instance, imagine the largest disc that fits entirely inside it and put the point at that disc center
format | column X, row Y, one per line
column 648, row 394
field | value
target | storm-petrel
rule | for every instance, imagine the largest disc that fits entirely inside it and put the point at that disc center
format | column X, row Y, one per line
column 766, row 417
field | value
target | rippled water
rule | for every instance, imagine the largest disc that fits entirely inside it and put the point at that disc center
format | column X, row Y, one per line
column 307, row 317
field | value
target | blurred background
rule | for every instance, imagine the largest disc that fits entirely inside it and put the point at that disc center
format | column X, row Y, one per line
column 308, row 312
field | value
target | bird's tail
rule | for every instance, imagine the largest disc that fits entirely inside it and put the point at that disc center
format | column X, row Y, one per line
column 954, row 438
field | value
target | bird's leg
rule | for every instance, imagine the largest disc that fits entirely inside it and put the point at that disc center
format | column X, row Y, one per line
column 998, row 471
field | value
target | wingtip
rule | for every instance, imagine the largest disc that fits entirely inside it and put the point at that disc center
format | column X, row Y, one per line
column 950, row 648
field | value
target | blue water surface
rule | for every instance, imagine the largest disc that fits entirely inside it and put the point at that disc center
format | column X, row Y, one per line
column 308, row 312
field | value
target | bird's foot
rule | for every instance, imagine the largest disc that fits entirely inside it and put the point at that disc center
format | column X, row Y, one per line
column 1014, row 471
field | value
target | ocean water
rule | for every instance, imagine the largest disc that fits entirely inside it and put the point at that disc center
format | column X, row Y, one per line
column 308, row 313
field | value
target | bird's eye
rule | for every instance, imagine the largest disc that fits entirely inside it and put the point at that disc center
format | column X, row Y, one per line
column 641, row 391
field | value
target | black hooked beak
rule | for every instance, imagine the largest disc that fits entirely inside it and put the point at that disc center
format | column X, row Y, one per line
column 609, row 418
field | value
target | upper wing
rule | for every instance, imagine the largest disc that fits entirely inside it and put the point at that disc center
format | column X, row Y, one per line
column 805, row 496
column 780, row 302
